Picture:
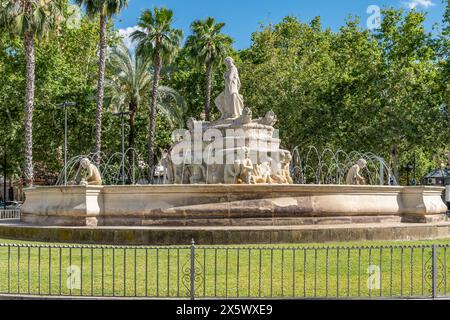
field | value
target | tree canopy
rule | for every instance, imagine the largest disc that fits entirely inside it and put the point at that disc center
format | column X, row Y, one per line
column 385, row 91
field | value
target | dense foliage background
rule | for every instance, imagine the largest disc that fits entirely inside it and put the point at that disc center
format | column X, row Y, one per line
column 385, row 91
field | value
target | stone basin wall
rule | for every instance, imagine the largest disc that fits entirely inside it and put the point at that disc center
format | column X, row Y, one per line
column 230, row 205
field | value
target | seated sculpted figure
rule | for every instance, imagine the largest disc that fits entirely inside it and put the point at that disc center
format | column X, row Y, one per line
column 93, row 177
column 353, row 176
column 247, row 172
column 232, row 172
column 283, row 175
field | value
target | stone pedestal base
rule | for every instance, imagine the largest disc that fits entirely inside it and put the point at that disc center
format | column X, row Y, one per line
column 231, row 205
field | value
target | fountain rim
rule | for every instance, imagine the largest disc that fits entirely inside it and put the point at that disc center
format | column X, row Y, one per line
column 234, row 188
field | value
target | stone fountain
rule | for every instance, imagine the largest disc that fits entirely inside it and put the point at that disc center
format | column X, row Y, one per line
column 230, row 182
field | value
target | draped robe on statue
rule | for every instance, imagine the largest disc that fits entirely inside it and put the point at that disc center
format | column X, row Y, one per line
column 230, row 102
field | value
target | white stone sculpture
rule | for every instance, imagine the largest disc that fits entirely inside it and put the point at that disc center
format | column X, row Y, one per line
column 283, row 175
column 93, row 176
column 247, row 170
column 246, row 116
column 232, row 172
column 230, row 103
column 353, row 176
column 269, row 119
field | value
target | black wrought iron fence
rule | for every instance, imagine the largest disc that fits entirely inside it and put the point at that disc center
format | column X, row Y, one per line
column 224, row 272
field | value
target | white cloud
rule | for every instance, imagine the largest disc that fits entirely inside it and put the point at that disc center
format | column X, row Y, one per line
column 126, row 35
column 412, row 4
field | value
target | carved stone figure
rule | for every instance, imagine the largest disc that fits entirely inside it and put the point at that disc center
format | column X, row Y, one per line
column 263, row 171
column 215, row 174
column 286, row 159
column 230, row 103
column 167, row 163
column 221, row 139
column 197, row 174
column 247, row 170
column 246, row 116
column 190, row 124
column 232, row 172
column 353, row 176
column 283, row 175
column 93, row 176
column 269, row 119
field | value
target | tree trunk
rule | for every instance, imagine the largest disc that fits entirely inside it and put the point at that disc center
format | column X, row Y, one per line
column 208, row 91
column 448, row 159
column 100, row 89
column 151, row 142
column 131, row 138
column 29, row 101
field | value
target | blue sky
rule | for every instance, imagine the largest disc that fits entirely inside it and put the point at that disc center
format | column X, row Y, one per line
column 242, row 17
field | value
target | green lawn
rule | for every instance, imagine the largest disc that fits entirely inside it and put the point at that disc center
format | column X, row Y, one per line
column 315, row 270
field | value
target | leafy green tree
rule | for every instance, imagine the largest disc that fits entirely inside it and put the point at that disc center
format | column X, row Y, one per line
column 106, row 9
column 128, row 81
column 157, row 39
column 29, row 19
column 208, row 46
column 409, row 100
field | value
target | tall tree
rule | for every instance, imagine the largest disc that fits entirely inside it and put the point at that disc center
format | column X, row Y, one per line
column 106, row 9
column 29, row 19
column 407, row 84
column 157, row 39
column 207, row 46
column 128, row 80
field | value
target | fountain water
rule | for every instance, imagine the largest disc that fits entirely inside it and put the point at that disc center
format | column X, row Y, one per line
column 311, row 166
column 119, row 168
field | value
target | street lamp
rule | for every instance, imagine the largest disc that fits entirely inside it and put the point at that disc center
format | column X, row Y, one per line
column 122, row 115
column 64, row 106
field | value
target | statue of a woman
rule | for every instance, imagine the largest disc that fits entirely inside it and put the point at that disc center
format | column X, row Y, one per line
column 230, row 102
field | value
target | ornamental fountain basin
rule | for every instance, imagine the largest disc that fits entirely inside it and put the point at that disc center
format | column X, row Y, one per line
column 230, row 205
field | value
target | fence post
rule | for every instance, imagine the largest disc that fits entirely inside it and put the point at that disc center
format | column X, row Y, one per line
column 192, row 277
column 434, row 272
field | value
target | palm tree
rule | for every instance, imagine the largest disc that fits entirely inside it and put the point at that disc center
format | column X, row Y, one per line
column 106, row 9
column 208, row 47
column 128, row 80
column 29, row 19
column 156, row 39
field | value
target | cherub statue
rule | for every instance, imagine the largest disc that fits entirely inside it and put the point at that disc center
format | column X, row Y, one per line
column 263, row 171
column 269, row 119
column 246, row 116
column 232, row 172
column 93, row 176
column 283, row 175
column 247, row 170
column 353, row 175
